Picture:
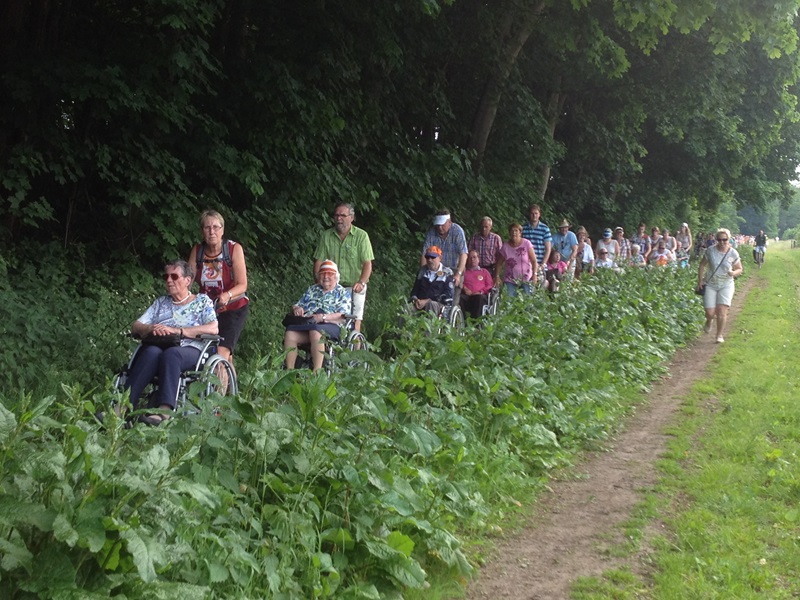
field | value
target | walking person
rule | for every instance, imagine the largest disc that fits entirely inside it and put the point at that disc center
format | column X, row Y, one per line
column 350, row 248
column 220, row 270
column 718, row 268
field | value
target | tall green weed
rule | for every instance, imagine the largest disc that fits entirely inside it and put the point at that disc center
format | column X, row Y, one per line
column 350, row 487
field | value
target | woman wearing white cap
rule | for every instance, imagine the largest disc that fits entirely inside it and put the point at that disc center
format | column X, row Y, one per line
column 610, row 245
column 318, row 312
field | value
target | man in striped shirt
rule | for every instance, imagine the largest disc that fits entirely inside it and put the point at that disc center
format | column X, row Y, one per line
column 539, row 234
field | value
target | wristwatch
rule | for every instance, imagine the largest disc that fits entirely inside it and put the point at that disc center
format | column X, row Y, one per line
column 323, row 317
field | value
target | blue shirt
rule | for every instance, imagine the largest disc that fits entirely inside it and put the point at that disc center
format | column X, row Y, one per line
column 564, row 244
column 317, row 300
column 537, row 236
column 452, row 246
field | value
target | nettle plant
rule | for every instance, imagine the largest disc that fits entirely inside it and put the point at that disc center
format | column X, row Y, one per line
column 354, row 486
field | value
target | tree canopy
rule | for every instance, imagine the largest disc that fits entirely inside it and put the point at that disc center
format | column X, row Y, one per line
column 122, row 120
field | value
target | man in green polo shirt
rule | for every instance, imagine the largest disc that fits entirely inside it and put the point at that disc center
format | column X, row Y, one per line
column 349, row 247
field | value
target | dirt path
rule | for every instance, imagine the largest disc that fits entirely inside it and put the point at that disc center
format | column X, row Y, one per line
column 577, row 519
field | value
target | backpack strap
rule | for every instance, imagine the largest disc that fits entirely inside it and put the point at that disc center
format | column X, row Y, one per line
column 226, row 252
column 199, row 255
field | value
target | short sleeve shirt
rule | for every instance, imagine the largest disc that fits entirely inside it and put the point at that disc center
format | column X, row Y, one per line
column 564, row 244
column 349, row 254
column 517, row 262
column 317, row 300
column 537, row 236
column 718, row 277
column 486, row 247
column 453, row 246
column 163, row 311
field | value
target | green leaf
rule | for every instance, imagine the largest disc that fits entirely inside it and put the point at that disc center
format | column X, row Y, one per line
column 14, row 512
column 217, row 573
column 400, row 542
column 15, row 554
column 339, row 536
column 146, row 553
column 8, row 423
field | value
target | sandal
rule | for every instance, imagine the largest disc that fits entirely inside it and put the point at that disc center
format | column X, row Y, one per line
column 153, row 420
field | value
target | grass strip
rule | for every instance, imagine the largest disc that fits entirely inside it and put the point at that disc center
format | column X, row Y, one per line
column 731, row 479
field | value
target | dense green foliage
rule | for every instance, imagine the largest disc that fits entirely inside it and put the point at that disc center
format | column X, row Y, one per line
column 309, row 487
column 121, row 121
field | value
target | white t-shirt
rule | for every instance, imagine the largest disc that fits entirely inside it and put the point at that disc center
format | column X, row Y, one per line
column 719, row 277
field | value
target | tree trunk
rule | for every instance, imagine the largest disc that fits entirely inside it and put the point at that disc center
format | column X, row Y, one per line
column 516, row 28
column 555, row 106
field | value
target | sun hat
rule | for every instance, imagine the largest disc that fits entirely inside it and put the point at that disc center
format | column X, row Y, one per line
column 441, row 219
column 564, row 223
column 329, row 265
column 433, row 252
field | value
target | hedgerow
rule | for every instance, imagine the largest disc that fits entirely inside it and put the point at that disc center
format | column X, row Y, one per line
column 348, row 487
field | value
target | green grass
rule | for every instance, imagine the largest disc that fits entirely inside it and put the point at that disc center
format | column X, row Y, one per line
column 731, row 480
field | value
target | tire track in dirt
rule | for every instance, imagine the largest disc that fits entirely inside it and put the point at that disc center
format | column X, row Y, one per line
column 577, row 519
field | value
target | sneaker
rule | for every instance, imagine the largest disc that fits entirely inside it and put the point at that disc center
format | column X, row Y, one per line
column 706, row 327
column 720, row 339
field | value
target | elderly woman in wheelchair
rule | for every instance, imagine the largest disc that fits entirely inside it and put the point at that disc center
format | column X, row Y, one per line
column 317, row 316
column 168, row 330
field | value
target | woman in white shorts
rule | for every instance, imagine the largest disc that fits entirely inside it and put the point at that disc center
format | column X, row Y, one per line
column 720, row 265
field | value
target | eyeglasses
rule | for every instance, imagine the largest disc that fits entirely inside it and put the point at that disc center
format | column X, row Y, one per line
column 212, row 227
column 341, row 215
column 173, row 276
column 722, row 239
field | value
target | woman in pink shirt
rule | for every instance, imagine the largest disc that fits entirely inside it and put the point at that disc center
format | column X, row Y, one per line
column 477, row 285
column 516, row 260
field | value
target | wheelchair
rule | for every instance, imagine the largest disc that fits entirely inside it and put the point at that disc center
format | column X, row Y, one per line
column 490, row 308
column 452, row 314
column 213, row 373
column 351, row 340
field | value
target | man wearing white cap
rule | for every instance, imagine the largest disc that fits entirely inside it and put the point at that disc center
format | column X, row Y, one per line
column 450, row 238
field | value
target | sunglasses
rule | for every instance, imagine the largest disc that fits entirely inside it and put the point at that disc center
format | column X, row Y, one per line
column 722, row 239
column 173, row 276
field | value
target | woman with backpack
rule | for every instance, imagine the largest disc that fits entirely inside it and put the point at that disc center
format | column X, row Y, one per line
column 221, row 272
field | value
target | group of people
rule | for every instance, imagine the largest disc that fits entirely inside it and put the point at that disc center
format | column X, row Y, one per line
column 452, row 270
column 170, row 326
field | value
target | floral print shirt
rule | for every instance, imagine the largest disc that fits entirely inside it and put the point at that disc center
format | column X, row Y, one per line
column 317, row 300
column 164, row 311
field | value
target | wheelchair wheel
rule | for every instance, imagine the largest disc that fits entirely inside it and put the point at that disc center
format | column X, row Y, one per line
column 220, row 377
column 456, row 317
column 356, row 342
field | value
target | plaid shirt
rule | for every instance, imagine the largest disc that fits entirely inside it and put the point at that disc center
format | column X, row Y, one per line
column 452, row 246
column 537, row 236
column 624, row 248
column 486, row 247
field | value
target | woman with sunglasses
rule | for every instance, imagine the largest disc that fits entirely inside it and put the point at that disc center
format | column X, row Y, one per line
column 719, row 266
column 221, row 272
column 167, row 330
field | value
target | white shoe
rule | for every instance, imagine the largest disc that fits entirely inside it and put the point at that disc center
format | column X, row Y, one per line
column 720, row 339
column 706, row 327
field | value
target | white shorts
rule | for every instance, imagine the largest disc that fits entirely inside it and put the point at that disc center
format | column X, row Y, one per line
column 714, row 297
column 358, row 300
